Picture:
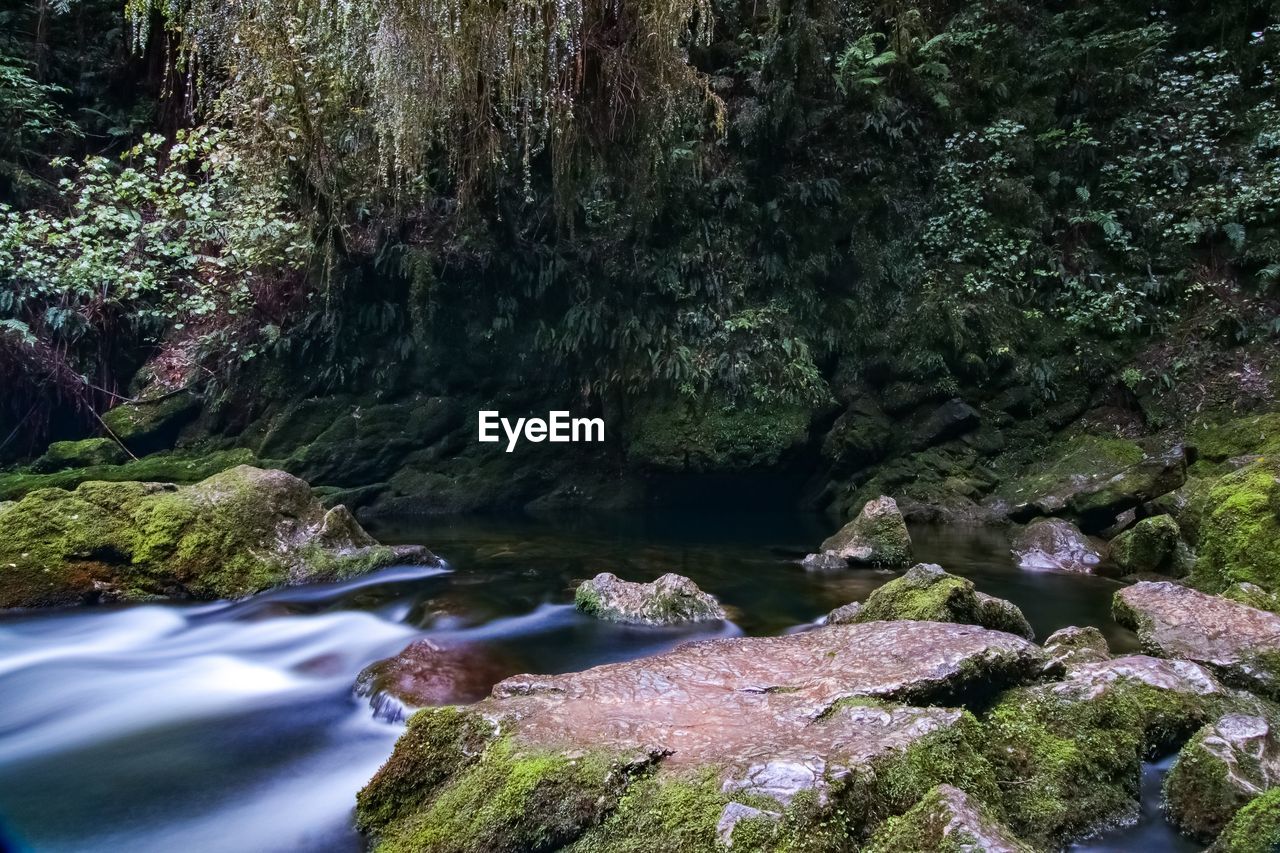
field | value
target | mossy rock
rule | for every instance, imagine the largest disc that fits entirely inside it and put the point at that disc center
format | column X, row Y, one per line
column 86, row 453
column 1071, row 463
column 1254, row 829
column 170, row 467
column 670, row 600
column 1225, row 765
column 1255, row 435
column 150, row 425
column 231, row 535
column 687, row 435
column 877, row 536
column 1152, row 546
column 860, row 437
column 929, row 594
column 946, row 820
column 1239, row 535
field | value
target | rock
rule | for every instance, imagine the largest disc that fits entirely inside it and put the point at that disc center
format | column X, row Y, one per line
column 426, row 673
column 168, row 467
column 845, row 614
column 228, row 536
column 1252, row 595
column 1052, row 544
column 1097, row 504
column 1070, row 467
column 927, row 593
column 1152, row 546
column 736, row 813
column 878, row 536
column 860, row 437
column 1239, row 530
column 1254, row 829
column 1070, row 647
column 1240, row 643
column 152, row 424
column 670, row 600
column 1224, row 766
column 951, row 420
column 803, row 725
column 703, row 435
column 946, row 819
column 79, row 454
column 826, row 561
column 1069, row 753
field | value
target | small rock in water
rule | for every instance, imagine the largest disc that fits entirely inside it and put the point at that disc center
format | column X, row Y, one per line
column 878, row 536
column 670, row 600
column 426, row 673
column 845, row 614
column 825, row 561
column 1052, row 544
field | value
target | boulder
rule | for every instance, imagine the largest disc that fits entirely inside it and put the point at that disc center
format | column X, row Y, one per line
column 807, row 726
column 1241, row 643
column 228, row 536
column 860, row 437
column 951, row 420
column 1070, row 647
column 427, row 673
column 1252, row 595
column 845, row 614
column 1254, row 829
column 1069, row 753
column 927, row 593
column 670, row 600
column 1152, row 546
column 1053, row 544
column 152, row 423
column 878, row 536
column 79, row 454
column 1224, row 766
column 1097, row 504
column 946, row 819
column 1239, row 530
column 709, row 434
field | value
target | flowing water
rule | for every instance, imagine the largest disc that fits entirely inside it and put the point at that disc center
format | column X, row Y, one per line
column 232, row 726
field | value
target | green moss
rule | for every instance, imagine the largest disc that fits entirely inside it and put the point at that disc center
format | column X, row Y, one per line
column 149, row 424
column 1239, row 537
column 175, row 467
column 1253, row 595
column 1153, row 545
column 515, row 800
column 683, row 435
column 1081, row 455
column 587, row 600
column 1254, row 829
column 1199, row 789
column 88, row 452
column 1254, row 435
column 665, row 813
column 925, row 827
column 920, row 594
column 1067, row 766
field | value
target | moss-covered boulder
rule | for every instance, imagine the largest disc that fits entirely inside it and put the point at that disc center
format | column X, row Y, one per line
column 1240, row 643
column 1239, row 530
column 233, row 534
column 1224, row 766
column 947, row 820
column 1055, row 544
column 951, row 420
column 877, row 536
column 713, row 435
column 1152, row 546
column 860, row 437
column 168, row 467
column 1254, row 829
column 1069, row 466
column 670, row 600
column 927, row 593
column 1220, row 442
column 152, row 424
column 80, row 454
column 769, row 743
column 1252, row 595
column 1069, row 754
column 1097, row 504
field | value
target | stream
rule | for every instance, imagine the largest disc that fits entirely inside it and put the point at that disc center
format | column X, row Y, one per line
column 232, row 726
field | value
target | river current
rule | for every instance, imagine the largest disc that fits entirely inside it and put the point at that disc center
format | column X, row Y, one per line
column 233, row 726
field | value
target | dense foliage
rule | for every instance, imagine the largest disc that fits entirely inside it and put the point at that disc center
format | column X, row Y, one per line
column 768, row 203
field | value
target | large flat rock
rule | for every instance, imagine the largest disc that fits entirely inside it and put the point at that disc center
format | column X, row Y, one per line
column 1241, row 643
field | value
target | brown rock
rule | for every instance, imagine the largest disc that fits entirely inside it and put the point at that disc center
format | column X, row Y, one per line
column 1052, row 544
column 427, row 673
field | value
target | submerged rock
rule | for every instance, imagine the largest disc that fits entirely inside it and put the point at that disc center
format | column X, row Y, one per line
column 1224, row 766
column 824, row 562
column 1053, row 544
column 1152, row 546
column 1240, row 643
column 231, row 535
column 927, row 593
column 1071, row 647
column 670, row 600
column 946, row 819
column 621, row 754
column 427, row 673
column 878, row 536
